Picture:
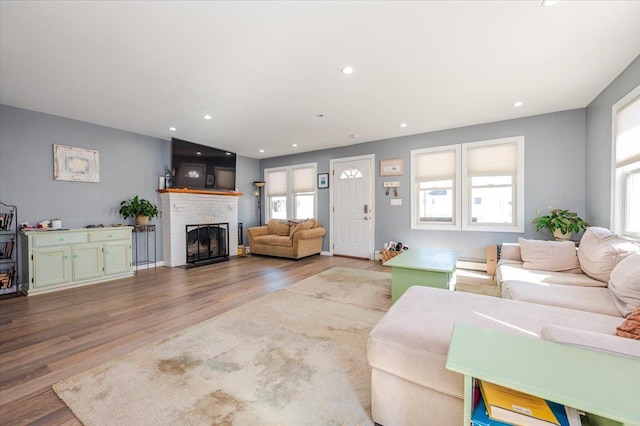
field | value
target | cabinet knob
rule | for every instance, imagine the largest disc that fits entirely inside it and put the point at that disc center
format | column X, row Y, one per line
column 106, row 252
column 110, row 236
column 66, row 257
column 61, row 239
column 76, row 256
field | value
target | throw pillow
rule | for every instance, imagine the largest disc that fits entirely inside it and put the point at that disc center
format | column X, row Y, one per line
column 301, row 227
column 600, row 251
column 630, row 328
column 555, row 256
column 282, row 229
column 624, row 284
column 272, row 226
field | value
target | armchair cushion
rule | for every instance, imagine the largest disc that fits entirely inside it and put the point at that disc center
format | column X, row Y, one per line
column 555, row 256
column 600, row 251
column 624, row 284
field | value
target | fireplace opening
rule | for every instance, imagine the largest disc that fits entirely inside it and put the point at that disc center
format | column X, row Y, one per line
column 207, row 243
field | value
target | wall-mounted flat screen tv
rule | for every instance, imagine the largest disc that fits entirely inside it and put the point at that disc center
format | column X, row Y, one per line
column 196, row 166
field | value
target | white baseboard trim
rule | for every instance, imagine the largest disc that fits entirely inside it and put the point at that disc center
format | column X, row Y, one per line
column 326, row 253
column 148, row 265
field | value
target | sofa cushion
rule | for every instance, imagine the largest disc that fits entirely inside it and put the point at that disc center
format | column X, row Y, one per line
column 307, row 224
column 589, row 299
column 412, row 340
column 512, row 270
column 555, row 256
column 630, row 328
column 274, row 240
column 591, row 340
column 600, row 251
column 624, row 284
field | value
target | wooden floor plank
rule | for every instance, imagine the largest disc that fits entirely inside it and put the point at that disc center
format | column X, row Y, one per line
column 49, row 337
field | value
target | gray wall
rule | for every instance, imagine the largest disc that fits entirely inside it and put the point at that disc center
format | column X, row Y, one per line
column 130, row 165
column 554, row 175
column 598, row 145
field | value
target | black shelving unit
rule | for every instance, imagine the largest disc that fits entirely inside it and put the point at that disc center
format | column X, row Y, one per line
column 9, row 283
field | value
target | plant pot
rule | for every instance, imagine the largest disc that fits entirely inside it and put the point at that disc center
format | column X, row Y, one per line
column 559, row 235
column 142, row 220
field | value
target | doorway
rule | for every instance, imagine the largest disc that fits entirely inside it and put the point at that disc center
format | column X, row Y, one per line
column 352, row 206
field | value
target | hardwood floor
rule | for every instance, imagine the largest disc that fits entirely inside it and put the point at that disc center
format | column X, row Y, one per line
column 48, row 337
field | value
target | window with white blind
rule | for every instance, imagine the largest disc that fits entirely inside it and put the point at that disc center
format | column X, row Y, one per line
column 476, row 186
column 291, row 192
column 436, row 184
column 626, row 168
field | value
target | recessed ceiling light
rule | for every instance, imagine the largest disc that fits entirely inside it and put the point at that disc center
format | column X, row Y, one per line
column 518, row 104
column 173, row 129
column 207, row 117
column 198, row 153
column 549, row 3
column 262, row 150
column 294, row 145
column 228, row 153
column 403, row 124
column 347, row 70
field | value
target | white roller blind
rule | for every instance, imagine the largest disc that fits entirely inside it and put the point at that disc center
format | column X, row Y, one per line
column 303, row 179
column 628, row 134
column 493, row 160
column 276, row 183
column 438, row 165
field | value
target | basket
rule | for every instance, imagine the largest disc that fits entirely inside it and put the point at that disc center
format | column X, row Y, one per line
column 388, row 254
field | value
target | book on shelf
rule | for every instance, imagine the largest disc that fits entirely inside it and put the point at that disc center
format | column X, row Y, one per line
column 512, row 406
column 480, row 417
column 566, row 416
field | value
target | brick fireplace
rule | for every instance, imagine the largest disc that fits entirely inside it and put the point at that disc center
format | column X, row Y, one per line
column 184, row 207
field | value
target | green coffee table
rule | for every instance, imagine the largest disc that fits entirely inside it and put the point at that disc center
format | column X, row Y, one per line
column 426, row 267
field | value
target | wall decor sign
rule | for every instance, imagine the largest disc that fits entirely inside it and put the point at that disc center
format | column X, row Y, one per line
column 392, row 167
column 75, row 164
column 323, row 180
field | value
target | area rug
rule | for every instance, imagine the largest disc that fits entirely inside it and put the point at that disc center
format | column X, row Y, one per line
column 293, row 357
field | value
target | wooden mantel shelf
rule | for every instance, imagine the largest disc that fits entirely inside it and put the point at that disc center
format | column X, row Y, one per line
column 200, row 191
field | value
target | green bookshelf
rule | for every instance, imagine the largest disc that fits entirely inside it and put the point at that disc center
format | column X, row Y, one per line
column 604, row 385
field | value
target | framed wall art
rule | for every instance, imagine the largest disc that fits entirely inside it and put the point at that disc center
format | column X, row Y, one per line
column 323, row 180
column 392, row 167
column 75, row 164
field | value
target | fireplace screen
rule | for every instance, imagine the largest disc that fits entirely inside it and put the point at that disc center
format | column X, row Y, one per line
column 207, row 242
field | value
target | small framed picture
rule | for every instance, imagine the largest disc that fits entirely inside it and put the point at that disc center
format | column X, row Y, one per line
column 392, row 167
column 323, row 180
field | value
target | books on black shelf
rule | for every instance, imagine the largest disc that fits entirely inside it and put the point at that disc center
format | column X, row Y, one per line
column 503, row 406
column 5, row 221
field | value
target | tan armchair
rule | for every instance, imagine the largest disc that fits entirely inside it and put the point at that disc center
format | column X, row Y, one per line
column 287, row 239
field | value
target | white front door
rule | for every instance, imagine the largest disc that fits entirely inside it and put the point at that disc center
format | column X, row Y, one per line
column 352, row 206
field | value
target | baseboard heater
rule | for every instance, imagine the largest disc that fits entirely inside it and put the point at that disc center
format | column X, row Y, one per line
column 472, row 264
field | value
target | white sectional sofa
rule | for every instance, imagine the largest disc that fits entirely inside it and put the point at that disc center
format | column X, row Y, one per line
column 408, row 348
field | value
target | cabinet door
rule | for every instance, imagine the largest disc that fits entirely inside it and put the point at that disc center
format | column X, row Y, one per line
column 87, row 261
column 117, row 257
column 51, row 266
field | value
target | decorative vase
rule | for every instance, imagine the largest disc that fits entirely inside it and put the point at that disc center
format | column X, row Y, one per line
column 559, row 235
column 142, row 220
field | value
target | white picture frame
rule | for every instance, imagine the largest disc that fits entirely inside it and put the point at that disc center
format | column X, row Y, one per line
column 75, row 164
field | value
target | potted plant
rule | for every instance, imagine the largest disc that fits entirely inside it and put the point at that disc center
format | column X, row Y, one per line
column 139, row 208
column 562, row 223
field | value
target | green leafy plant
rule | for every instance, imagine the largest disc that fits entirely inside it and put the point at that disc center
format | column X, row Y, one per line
column 138, row 207
column 559, row 219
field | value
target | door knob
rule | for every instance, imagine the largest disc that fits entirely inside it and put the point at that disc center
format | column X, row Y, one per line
column 366, row 218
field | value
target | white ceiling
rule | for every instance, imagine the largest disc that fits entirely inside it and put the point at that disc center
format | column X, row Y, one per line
column 264, row 70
